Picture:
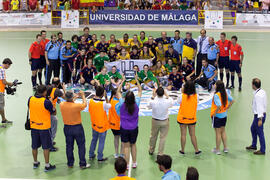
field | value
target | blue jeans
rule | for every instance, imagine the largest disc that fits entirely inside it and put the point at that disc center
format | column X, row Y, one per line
column 53, row 129
column 95, row 137
column 258, row 131
column 75, row 132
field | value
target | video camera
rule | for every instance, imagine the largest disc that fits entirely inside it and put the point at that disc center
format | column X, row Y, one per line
column 12, row 89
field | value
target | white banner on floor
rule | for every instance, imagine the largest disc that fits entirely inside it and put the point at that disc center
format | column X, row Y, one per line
column 213, row 20
column 245, row 19
column 70, row 19
column 128, row 64
column 22, row 19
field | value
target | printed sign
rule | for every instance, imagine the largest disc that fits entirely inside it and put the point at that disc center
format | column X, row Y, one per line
column 124, row 65
column 213, row 20
column 253, row 19
column 144, row 17
column 70, row 19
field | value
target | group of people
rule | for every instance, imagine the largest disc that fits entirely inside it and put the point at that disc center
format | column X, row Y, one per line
column 82, row 61
column 174, row 59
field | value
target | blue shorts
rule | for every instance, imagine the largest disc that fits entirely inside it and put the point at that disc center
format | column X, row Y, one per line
column 219, row 122
column 129, row 135
column 42, row 62
column 224, row 62
column 234, row 66
column 116, row 132
column 35, row 64
column 41, row 138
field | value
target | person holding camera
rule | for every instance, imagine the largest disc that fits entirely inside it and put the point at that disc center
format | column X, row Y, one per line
column 40, row 110
column 100, row 123
column 160, row 119
column 73, row 129
column 53, row 92
column 3, row 83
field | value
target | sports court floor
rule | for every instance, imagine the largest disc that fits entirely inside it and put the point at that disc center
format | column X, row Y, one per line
column 15, row 150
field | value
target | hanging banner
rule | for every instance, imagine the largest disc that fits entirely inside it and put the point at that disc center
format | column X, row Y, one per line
column 213, row 20
column 90, row 3
column 128, row 64
column 22, row 19
column 244, row 19
column 144, row 17
column 70, row 19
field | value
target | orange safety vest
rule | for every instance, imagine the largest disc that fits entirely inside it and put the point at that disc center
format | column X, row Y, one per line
column 114, row 119
column 2, row 85
column 40, row 117
column 222, row 108
column 188, row 109
column 54, row 100
column 98, row 116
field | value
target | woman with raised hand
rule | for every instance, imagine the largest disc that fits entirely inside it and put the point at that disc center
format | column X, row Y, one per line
column 128, row 109
column 187, row 115
column 222, row 101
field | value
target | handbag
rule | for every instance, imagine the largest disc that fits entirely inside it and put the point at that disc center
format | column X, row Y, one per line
column 27, row 122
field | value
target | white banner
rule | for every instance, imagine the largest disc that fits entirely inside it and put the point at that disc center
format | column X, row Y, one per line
column 213, row 20
column 253, row 19
column 70, row 19
column 128, row 64
column 21, row 19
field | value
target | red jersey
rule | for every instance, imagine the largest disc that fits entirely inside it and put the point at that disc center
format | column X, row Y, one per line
column 75, row 4
column 236, row 52
column 43, row 45
column 167, row 7
column 5, row 5
column 35, row 50
column 32, row 4
column 224, row 48
column 156, row 7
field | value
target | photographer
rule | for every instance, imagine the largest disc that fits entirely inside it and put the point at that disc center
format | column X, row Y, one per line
column 54, row 92
column 3, row 83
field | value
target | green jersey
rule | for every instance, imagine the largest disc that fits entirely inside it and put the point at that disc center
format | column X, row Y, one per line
column 99, row 61
column 150, row 76
column 75, row 45
column 168, row 67
column 115, row 75
column 102, row 78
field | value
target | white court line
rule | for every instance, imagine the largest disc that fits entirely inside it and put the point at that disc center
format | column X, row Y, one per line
column 130, row 165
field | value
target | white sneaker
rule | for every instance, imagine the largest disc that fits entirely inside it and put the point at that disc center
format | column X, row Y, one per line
column 226, row 150
column 134, row 165
column 216, row 151
column 116, row 156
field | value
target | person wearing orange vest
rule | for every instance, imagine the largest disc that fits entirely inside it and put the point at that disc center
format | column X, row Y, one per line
column 120, row 166
column 3, row 83
column 114, row 120
column 221, row 102
column 34, row 59
column 40, row 110
column 100, row 123
column 73, row 129
column 187, row 115
column 54, row 92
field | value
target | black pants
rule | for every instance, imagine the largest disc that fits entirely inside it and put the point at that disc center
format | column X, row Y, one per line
column 67, row 71
column 75, row 133
column 200, row 57
column 205, row 83
column 53, row 67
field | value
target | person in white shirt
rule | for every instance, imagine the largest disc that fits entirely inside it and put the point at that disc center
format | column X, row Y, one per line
column 202, row 43
column 160, row 119
column 259, row 106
